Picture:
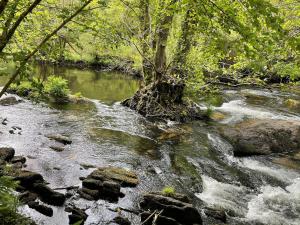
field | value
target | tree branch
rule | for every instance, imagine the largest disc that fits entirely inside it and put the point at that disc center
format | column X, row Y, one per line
column 31, row 54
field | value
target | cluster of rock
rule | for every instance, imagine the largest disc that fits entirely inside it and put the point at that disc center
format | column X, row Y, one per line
column 106, row 182
column 31, row 185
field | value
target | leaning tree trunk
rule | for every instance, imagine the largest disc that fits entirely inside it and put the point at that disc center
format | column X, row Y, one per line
column 145, row 31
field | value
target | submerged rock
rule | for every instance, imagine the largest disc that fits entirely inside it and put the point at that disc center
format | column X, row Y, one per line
column 60, row 138
column 10, row 100
column 169, row 210
column 6, row 153
column 261, row 137
column 57, row 148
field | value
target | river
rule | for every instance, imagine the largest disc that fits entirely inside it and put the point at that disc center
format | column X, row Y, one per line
column 191, row 157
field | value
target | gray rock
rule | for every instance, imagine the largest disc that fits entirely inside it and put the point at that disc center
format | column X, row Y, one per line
column 10, row 100
column 57, row 148
column 60, row 138
column 6, row 153
column 262, row 137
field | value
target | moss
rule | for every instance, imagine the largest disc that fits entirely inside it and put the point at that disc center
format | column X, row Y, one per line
column 168, row 191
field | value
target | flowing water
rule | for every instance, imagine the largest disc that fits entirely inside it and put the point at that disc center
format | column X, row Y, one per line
column 192, row 157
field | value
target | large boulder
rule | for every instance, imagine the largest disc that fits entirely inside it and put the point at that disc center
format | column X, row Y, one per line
column 262, row 137
column 169, row 210
column 6, row 153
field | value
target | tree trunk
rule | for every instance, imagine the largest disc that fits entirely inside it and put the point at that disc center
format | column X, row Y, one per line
column 145, row 31
column 162, row 39
column 184, row 44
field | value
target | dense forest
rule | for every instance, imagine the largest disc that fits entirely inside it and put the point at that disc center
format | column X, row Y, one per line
column 149, row 112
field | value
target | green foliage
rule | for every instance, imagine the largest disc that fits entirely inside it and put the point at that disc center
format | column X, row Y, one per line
column 57, row 87
column 169, row 191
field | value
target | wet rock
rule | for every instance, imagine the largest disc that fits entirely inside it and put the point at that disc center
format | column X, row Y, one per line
column 45, row 210
column 18, row 159
column 261, row 137
column 87, row 166
column 85, row 195
column 10, row 100
column 60, row 138
column 27, row 178
column 57, row 148
column 121, row 220
column 147, row 219
column 4, row 122
column 92, row 184
column 124, row 177
column 89, row 194
column 6, row 153
column 11, row 131
column 27, row 197
column 76, row 215
column 49, row 196
column 171, row 209
column 217, row 214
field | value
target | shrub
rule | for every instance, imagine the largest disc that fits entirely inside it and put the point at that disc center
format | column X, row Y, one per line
column 169, row 191
column 57, row 87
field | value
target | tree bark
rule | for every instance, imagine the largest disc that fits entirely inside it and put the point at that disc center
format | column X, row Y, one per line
column 184, row 44
column 162, row 39
column 31, row 54
column 145, row 31
column 3, row 4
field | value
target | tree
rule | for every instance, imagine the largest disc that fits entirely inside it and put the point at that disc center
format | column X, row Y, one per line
column 7, row 33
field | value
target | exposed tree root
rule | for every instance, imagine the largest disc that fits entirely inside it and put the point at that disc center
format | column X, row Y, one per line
column 164, row 100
